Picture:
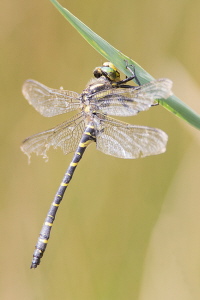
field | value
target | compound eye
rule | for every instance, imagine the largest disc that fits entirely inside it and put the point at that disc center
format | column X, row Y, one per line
column 110, row 65
column 108, row 70
column 106, row 64
column 97, row 72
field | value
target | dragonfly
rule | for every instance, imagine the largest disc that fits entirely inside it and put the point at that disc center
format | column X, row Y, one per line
column 105, row 95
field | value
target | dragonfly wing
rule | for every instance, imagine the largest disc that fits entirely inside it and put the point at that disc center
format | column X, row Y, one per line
column 123, row 140
column 129, row 101
column 49, row 102
column 66, row 136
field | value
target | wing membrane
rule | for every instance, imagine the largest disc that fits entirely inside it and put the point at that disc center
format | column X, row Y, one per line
column 123, row 140
column 130, row 101
column 49, row 102
column 66, row 136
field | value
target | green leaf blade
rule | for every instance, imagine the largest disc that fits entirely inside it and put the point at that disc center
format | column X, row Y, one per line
column 173, row 103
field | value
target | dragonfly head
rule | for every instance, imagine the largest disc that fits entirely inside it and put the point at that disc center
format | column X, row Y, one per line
column 109, row 71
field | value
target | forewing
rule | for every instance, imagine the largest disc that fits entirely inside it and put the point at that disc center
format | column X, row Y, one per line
column 129, row 101
column 66, row 136
column 49, row 102
column 123, row 140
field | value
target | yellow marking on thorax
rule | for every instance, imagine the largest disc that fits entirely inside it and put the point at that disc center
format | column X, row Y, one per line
column 97, row 85
column 87, row 109
column 48, row 224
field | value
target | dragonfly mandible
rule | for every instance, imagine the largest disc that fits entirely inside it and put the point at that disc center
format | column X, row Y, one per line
column 105, row 95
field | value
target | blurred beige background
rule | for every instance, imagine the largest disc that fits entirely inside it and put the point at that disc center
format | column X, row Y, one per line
column 126, row 229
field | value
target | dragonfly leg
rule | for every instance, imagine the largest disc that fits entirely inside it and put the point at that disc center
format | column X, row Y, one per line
column 133, row 72
column 127, row 79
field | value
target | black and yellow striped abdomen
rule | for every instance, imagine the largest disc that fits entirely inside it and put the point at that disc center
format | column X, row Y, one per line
column 87, row 137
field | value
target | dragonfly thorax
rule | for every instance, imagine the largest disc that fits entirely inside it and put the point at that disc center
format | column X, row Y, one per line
column 95, row 85
column 106, row 77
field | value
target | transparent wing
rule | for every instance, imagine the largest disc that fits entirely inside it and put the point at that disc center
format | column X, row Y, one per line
column 49, row 102
column 66, row 136
column 123, row 140
column 129, row 101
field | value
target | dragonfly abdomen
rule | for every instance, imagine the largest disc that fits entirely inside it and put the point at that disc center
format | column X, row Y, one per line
column 87, row 137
